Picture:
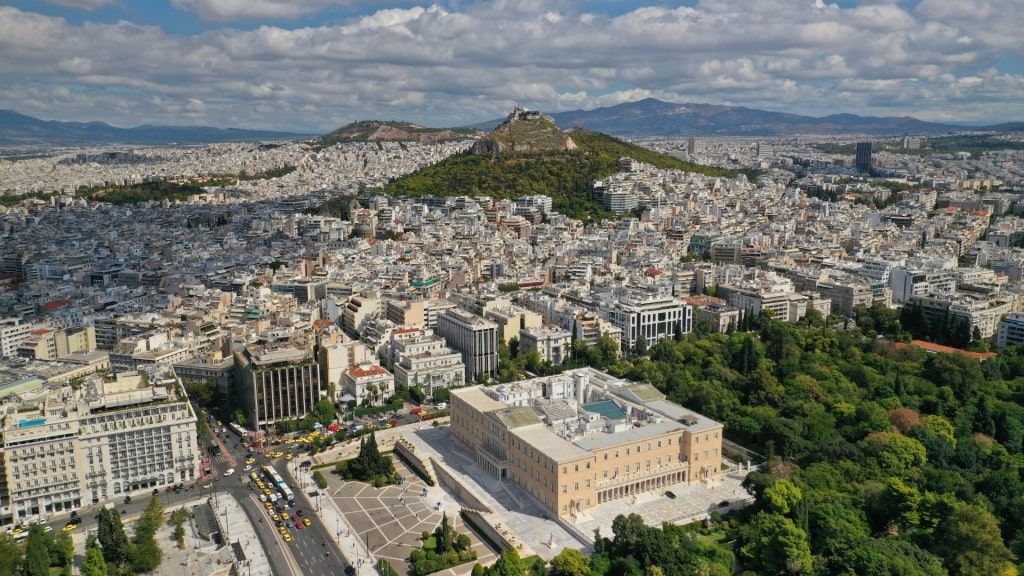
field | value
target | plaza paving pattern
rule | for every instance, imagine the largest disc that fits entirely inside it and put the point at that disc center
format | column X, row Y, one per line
column 389, row 521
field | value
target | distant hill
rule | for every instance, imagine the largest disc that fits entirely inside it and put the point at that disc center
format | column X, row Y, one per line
column 388, row 131
column 652, row 117
column 507, row 168
column 19, row 129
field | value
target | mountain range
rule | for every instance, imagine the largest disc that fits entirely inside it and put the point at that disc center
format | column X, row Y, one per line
column 19, row 129
column 652, row 117
column 649, row 117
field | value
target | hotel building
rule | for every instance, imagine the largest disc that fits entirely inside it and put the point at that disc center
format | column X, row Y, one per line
column 65, row 447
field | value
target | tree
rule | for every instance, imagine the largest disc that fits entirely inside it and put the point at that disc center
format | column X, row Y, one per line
column 94, row 564
column 11, row 555
column 112, row 537
column 641, row 345
column 570, row 562
column 508, row 564
column 773, row 544
column 150, row 520
column 973, row 545
column 324, row 411
column 37, row 552
column 62, row 550
column 782, row 496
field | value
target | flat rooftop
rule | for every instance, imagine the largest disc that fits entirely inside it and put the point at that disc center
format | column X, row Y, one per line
column 554, row 447
column 601, row 441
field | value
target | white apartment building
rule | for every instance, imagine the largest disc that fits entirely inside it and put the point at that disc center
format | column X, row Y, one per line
column 906, row 284
column 369, row 384
column 653, row 317
column 422, row 359
column 13, row 331
column 472, row 336
column 552, row 343
column 983, row 313
column 64, row 448
column 1010, row 330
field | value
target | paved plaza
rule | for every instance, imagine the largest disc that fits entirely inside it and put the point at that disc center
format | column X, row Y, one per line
column 388, row 521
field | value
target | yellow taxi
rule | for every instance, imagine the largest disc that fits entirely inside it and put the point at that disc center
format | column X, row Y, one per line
column 275, row 517
column 285, row 516
column 70, row 527
column 289, row 456
column 287, row 537
column 250, row 461
column 269, row 505
column 306, row 521
column 282, row 530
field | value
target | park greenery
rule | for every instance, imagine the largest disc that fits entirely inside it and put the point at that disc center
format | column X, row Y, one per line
column 879, row 458
column 567, row 177
column 120, row 555
column 442, row 549
column 370, row 465
column 45, row 554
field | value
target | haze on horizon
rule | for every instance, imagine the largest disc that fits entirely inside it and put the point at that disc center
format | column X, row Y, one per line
column 319, row 64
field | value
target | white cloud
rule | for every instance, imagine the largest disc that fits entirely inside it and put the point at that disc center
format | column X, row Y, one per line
column 463, row 63
column 81, row 4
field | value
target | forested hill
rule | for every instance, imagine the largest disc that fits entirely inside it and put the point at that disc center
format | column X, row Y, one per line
column 882, row 459
column 566, row 176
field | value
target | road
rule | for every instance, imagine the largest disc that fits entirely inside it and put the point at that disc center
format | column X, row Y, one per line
column 312, row 550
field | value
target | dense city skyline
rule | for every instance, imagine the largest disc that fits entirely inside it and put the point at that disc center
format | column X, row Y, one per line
column 313, row 66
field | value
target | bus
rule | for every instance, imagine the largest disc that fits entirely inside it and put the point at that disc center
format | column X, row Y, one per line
column 278, row 482
column 237, row 429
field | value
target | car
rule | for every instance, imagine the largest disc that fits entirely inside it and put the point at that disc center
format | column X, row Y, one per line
column 298, row 512
column 247, row 468
column 127, row 499
column 289, row 456
column 69, row 527
column 75, row 520
column 48, row 528
column 670, row 494
column 298, row 525
column 250, row 461
column 275, row 517
column 287, row 538
column 267, row 492
column 208, row 485
column 269, row 505
column 285, row 516
column 282, row 529
column 263, row 497
column 290, row 524
column 306, row 521
column 350, row 570
column 229, row 472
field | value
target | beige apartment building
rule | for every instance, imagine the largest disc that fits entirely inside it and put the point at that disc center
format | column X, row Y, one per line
column 64, row 447
column 583, row 438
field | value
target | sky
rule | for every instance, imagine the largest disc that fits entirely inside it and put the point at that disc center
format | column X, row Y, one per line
column 314, row 65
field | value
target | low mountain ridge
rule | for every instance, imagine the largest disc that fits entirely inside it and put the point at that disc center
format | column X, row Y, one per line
column 391, row 131
column 19, row 129
column 652, row 117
